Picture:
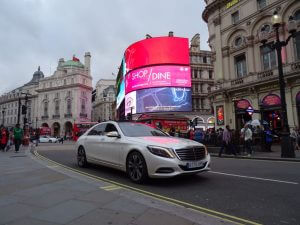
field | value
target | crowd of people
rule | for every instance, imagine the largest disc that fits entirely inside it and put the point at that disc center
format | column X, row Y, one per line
column 9, row 137
column 242, row 141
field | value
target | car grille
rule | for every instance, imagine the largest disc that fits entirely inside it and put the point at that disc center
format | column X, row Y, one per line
column 192, row 153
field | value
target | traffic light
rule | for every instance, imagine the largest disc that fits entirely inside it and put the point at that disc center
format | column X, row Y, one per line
column 24, row 110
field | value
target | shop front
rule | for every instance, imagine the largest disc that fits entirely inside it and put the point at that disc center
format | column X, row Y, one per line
column 242, row 116
column 271, row 111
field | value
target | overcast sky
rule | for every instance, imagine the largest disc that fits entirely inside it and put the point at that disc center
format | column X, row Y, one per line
column 39, row 32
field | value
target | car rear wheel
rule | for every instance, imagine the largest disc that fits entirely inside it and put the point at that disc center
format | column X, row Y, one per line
column 136, row 167
column 81, row 158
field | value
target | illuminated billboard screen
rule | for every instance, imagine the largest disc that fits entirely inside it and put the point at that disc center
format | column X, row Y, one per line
column 159, row 50
column 121, row 94
column 158, row 76
column 165, row 99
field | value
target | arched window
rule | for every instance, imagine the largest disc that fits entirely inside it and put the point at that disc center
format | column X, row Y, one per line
column 297, row 39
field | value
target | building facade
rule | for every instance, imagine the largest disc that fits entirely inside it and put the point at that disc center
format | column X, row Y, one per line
column 202, row 80
column 104, row 100
column 246, row 73
column 56, row 101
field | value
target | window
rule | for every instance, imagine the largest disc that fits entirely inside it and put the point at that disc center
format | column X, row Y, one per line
column 65, row 82
column 297, row 38
column 56, row 95
column 195, row 73
column 50, row 84
column 235, row 17
column 82, row 105
column 240, row 65
column 72, row 81
column 261, row 4
column 98, row 130
column 210, row 74
column 110, row 127
column 45, row 108
column 268, row 57
column 69, row 106
column 204, row 59
column 69, row 94
column 56, row 107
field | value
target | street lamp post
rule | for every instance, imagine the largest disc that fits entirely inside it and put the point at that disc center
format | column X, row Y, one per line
column 287, row 148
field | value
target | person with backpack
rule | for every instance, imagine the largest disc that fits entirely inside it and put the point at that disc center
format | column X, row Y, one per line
column 18, row 136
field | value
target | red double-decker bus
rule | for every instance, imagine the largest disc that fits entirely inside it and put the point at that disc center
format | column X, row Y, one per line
column 80, row 128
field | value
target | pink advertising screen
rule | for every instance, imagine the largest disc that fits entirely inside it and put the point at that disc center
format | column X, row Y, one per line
column 158, row 76
column 159, row 50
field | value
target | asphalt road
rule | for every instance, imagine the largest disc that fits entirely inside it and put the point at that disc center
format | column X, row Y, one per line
column 265, row 192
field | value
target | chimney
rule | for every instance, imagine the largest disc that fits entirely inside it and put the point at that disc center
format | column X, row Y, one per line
column 171, row 34
column 87, row 62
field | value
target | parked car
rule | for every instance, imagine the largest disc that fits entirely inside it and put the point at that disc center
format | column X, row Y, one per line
column 141, row 151
column 47, row 139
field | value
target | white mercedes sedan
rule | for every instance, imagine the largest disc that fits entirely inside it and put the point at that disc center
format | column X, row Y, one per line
column 141, row 151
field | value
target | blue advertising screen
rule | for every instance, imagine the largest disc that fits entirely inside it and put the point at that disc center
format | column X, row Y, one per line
column 167, row 99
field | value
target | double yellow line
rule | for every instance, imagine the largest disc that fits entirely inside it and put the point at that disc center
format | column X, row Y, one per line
column 115, row 186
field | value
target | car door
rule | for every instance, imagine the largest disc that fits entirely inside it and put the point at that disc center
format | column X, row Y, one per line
column 94, row 143
column 112, row 145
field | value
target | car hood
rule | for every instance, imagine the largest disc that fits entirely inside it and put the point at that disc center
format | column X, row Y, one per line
column 168, row 142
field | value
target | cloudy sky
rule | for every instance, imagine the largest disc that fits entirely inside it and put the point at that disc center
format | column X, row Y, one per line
column 39, row 32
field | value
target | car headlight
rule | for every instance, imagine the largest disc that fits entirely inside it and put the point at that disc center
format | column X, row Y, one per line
column 161, row 151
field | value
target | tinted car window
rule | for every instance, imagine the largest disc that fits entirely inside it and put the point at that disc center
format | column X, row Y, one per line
column 98, row 130
column 110, row 127
column 139, row 130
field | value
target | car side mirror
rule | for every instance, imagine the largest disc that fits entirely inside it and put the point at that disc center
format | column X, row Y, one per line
column 113, row 134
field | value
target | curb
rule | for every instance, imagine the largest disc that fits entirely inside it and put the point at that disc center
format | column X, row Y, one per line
column 256, row 158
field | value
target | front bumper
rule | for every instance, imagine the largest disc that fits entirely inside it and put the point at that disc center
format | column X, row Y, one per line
column 160, row 167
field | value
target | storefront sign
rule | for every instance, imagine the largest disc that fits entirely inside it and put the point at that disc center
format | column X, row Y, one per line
column 271, row 100
column 220, row 115
column 243, row 104
column 231, row 3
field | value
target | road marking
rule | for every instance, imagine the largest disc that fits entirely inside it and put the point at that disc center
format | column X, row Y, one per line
column 111, row 188
column 255, row 178
column 209, row 212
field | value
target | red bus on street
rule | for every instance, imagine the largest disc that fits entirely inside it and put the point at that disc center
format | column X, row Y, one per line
column 80, row 128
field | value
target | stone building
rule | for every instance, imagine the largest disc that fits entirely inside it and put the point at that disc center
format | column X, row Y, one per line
column 246, row 74
column 56, row 101
column 9, row 102
column 103, row 104
column 202, row 80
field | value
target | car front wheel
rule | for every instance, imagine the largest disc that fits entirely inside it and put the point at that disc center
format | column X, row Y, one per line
column 136, row 167
column 81, row 158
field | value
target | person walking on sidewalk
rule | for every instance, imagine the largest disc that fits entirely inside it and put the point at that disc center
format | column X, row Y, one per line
column 226, row 140
column 18, row 136
column 248, row 139
column 295, row 138
column 4, row 138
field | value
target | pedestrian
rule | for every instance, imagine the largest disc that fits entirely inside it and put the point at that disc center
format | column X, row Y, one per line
column 4, row 138
column 61, row 140
column 172, row 131
column 247, row 133
column 226, row 140
column 295, row 138
column 18, row 136
column 268, row 139
column 191, row 134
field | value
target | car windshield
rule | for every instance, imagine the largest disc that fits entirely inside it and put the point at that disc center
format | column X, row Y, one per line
column 139, row 130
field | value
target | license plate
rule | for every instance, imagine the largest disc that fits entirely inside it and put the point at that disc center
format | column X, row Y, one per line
column 196, row 164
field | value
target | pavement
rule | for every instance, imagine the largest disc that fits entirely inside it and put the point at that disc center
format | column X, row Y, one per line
column 275, row 155
column 35, row 192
